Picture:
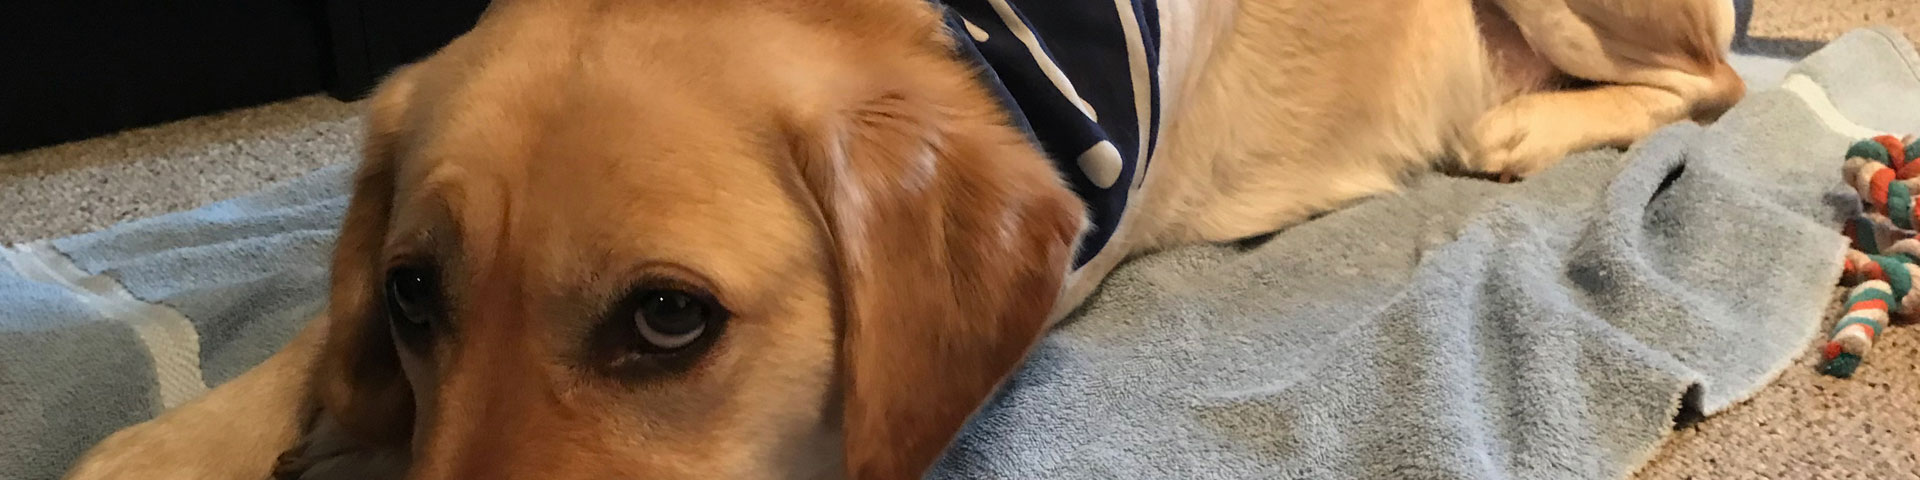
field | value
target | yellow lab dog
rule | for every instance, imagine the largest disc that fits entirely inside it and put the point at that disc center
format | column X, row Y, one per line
column 808, row 238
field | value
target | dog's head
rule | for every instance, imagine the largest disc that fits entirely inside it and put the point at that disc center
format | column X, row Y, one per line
column 687, row 240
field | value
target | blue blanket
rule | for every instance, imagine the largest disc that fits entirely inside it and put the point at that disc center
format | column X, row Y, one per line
column 1554, row 328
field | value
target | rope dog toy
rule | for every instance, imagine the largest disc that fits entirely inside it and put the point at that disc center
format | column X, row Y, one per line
column 1866, row 316
column 1884, row 262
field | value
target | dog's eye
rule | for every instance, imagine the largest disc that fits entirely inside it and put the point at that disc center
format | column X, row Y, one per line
column 411, row 296
column 672, row 319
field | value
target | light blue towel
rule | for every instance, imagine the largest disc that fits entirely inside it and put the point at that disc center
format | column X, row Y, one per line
column 1552, row 329
column 1464, row 329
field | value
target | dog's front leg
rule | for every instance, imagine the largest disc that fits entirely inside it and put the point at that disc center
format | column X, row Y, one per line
column 235, row 432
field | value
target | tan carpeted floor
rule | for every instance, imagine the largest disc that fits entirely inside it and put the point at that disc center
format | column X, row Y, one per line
column 1826, row 19
column 1805, row 426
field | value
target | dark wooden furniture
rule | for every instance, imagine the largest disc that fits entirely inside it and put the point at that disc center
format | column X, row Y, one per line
column 72, row 69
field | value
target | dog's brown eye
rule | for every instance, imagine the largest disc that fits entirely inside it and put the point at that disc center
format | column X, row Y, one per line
column 673, row 319
column 411, row 294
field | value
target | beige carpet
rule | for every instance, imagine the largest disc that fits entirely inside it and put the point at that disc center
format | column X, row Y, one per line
column 1826, row 19
column 1805, row 426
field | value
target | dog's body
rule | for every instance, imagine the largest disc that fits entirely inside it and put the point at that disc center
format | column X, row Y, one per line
column 867, row 246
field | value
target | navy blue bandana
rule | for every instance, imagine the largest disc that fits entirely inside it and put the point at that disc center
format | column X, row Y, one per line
column 1081, row 77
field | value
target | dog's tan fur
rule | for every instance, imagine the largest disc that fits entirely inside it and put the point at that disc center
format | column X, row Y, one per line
column 888, row 246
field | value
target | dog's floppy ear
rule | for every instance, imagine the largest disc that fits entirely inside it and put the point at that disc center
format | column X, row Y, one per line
column 952, row 235
column 360, row 382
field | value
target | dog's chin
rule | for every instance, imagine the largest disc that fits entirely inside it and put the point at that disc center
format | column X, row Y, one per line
column 327, row 453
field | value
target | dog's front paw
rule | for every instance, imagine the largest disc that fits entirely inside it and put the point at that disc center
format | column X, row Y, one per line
column 158, row 451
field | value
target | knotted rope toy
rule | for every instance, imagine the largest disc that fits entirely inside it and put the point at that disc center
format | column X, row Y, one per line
column 1884, row 262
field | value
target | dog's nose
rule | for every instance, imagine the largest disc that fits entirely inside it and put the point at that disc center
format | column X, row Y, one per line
column 492, row 416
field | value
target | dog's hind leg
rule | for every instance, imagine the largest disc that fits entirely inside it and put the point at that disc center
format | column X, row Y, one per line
column 1650, row 63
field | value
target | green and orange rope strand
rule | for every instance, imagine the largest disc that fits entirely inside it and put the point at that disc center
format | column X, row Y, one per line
column 1884, row 262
